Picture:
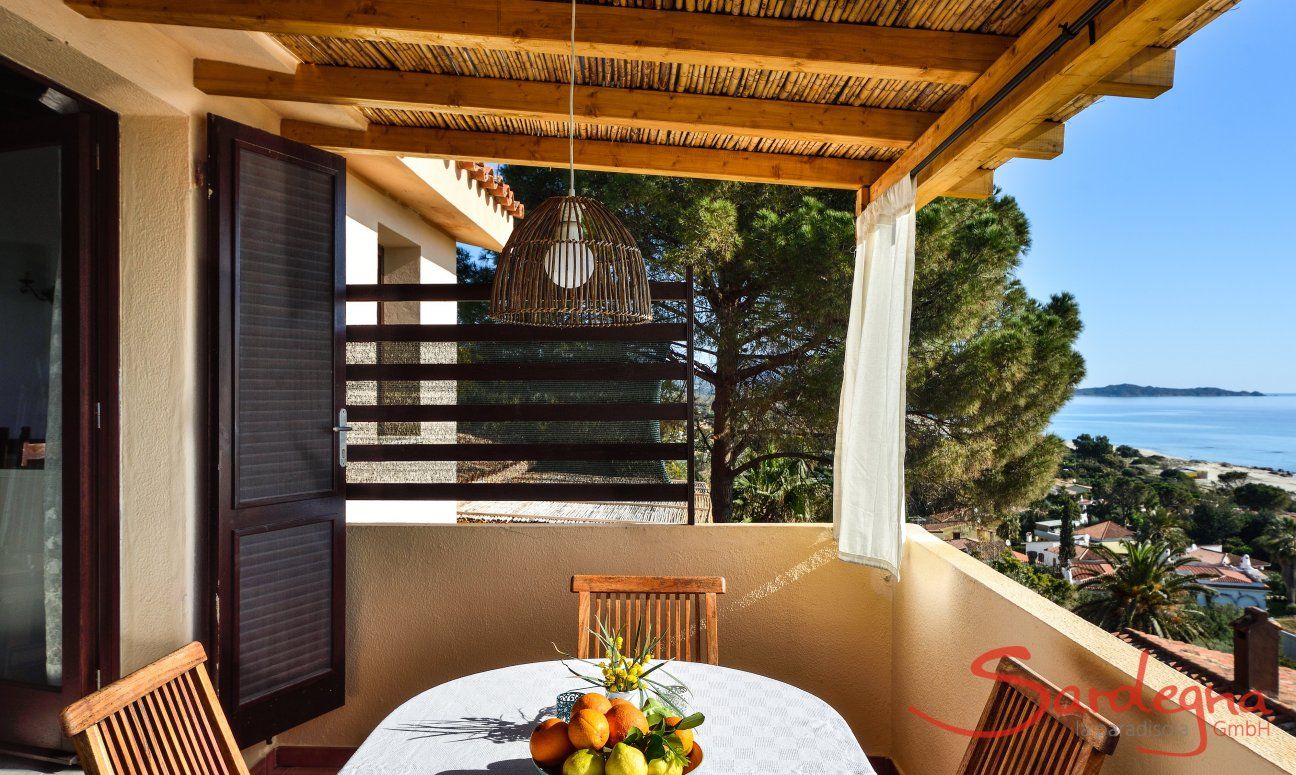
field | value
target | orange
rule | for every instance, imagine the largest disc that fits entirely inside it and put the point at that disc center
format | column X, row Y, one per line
column 588, row 729
column 592, row 701
column 549, row 743
column 685, row 735
column 695, row 758
column 623, row 717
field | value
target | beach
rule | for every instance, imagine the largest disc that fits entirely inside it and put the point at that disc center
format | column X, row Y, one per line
column 1213, row 469
column 1254, row 434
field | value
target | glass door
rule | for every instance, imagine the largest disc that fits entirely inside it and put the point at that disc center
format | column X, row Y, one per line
column 49, row 478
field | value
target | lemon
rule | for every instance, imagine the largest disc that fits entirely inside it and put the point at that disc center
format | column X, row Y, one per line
column 625, row 760
column 661, row 767
column 583, row 762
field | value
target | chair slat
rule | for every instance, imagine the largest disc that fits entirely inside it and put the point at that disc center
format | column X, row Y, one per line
column 187, row 708
column 180, row 718
column 682, row 611
column 165, row 733
column 161, row 720
column 127, row 760
column 1075, row 741
column 139, row 738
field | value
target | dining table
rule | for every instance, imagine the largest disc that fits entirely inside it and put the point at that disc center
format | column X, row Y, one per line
column 481, row 724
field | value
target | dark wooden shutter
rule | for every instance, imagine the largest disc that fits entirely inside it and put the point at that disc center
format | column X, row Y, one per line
column 276, row 233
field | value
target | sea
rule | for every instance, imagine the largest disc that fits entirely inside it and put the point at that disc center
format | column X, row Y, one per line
column 1255, row 431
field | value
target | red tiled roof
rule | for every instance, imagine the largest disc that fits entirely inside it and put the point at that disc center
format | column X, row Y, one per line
column 1081, row 553
column 1212, row 557
column 1217, row 572
column 1105, row 531
column 1019, row 556
column 1215, row 669
column 1083, row 569
column 493, row 184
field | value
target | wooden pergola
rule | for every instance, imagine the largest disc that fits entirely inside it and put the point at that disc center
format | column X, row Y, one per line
column 847, row 94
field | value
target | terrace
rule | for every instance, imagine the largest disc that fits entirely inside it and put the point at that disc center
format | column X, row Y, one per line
column 367, row 606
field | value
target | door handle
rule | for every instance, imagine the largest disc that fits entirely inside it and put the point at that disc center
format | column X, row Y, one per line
column 342, row 429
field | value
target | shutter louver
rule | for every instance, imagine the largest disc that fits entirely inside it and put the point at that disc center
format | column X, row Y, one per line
column 278, row 605
column 284, row 330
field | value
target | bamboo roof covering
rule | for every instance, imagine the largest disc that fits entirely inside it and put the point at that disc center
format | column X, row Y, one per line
column 1002, row 17
column 848, row 94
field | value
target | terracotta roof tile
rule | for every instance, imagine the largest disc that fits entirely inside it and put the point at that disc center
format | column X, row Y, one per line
column 1212, row 557
column 1215, row 669
column 1105, row 531
column 494, row 185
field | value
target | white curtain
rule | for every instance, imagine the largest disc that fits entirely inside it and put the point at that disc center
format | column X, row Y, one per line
column 868, row 469
column 53, row 475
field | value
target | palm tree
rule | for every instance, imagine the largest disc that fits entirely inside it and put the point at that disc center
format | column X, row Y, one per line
column 1280, row 540
column 1164, row 526
column 783, row 489
column 1145, row 591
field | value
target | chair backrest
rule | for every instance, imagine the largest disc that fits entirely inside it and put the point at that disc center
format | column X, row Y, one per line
column 1068, row 739
column 31, row 452
column 163, row 718
column 681, row 609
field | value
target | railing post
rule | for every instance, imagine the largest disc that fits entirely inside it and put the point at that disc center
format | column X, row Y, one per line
column 688, row 398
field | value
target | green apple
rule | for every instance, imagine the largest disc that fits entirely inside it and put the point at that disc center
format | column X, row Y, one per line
column 583, row 762
column 625, row 760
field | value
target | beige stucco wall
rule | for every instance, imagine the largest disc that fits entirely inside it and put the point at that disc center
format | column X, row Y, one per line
column 949, row 609
column 430, row 603
column 162, row 129
column 145, row 75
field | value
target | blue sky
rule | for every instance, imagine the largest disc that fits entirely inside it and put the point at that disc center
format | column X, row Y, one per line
column 1173, row 220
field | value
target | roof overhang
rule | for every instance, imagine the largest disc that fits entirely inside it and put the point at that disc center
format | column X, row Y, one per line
column 741, row 94
column 441, row 193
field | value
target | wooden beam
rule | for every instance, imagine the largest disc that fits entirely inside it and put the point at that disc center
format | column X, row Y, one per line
column 629, row 108
column 1042, row 141
column 591, row 154
column 678, row 37
column 978, row 185
column 951, row 151
column 1149, row 74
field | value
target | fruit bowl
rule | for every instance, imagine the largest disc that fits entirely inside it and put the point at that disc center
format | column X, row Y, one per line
column 590, row 733
column 695, row 761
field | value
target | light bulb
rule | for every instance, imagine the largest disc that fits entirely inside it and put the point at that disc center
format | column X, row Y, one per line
column 569, row 262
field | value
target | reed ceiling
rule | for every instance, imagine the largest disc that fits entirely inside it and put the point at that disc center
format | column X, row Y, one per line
column 998, row 17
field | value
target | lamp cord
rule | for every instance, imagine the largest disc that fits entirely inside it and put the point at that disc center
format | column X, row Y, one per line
column 571, row 109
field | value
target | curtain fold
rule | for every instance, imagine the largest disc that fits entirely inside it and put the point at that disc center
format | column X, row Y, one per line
column 53, row 502
column 868, row 470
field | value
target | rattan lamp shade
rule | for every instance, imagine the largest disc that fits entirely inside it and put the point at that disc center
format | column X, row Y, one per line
column 571, row 263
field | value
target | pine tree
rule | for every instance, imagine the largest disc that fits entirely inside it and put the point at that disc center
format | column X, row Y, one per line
column 772, row 274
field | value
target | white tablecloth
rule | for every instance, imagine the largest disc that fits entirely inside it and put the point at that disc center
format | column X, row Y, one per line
column 481, row 724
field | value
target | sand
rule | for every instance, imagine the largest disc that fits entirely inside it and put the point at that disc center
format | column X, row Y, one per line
column 1258, row 475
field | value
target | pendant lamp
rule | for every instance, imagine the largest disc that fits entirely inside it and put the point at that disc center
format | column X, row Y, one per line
column 571, row 262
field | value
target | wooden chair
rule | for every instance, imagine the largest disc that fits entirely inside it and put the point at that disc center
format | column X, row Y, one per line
column 681, row 609
column 163, row 718
column 32, row 451
column 1066, row 743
